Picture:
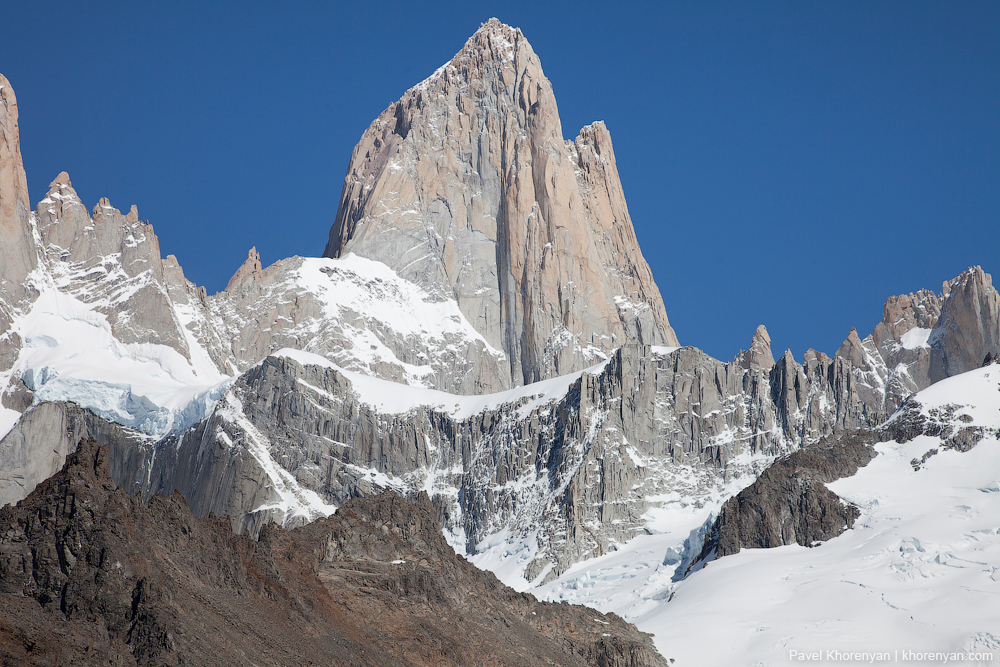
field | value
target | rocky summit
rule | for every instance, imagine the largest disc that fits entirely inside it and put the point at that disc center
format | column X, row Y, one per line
column 466, row 187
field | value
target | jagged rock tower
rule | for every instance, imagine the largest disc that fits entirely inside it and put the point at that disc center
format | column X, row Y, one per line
column 17, row 257
column 466, row 187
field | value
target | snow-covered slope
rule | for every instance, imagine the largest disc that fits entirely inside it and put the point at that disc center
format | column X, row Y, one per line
column 87, row 336
column 919, row 572
column 360, row 314
column 109, row 325
column 70, row 354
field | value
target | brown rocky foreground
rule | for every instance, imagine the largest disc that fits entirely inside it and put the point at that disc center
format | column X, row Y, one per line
column 90, row 575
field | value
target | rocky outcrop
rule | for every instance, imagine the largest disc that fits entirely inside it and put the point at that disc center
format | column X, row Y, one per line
column 925, row 337
column 46, row 434
column 789, row 502
column 466, row 187
column 247, row 271
column 90, row 574
column 110, row 260
column 968, row 330
column 759, row 355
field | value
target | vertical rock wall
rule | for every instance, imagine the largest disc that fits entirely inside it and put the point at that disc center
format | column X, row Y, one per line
column 467, row 187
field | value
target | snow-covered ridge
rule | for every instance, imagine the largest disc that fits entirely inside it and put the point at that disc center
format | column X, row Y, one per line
column 361, row 315
column 372, row 288
column 71, row 353
column 394, row 398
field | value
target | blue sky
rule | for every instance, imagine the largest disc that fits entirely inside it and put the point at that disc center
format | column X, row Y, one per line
column 785, row 163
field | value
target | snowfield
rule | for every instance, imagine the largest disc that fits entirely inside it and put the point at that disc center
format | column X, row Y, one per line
column 70, row 354
column 917, row 580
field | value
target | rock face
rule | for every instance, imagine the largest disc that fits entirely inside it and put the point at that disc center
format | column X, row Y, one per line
column 39, row 443
column 112, row 260
column 466, row 187
column 250, row 268
column 925, row 337
column 968, row 330
column 573, row 462
column 90, row 574
column 17, row 247
column 789, row 502
column 759, row 355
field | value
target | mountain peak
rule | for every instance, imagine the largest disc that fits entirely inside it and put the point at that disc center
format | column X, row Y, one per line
column 251, row 266
column 497, row 29
column 759, row 355
column 61, row 180
column 493, row 43
column 466, row 187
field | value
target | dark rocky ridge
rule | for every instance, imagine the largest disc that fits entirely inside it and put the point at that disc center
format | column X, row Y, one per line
column 789, row 502
column 92, row 575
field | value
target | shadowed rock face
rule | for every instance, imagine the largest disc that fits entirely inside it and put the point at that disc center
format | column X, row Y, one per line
column 789, row 502
column 466, row 187
column 91, row 575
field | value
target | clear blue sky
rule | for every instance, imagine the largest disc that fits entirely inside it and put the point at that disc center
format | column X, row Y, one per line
column 785, row 163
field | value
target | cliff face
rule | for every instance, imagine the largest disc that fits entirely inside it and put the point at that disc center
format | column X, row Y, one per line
column 567, row 468
column 466, row 187
column 91, row 574
column 17, row 247
column 926, row 337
